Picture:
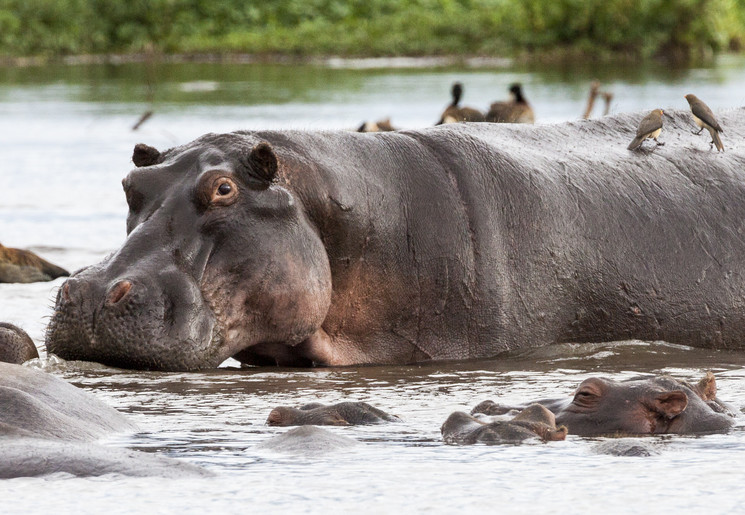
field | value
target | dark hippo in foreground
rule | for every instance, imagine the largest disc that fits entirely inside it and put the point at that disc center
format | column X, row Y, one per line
column 338, row 248
column 639, row 406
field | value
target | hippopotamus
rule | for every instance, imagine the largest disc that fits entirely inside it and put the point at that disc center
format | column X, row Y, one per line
column 535, row 421
column 47, row 426
column 308, row 440
column 637, row 406
column 38, row 404
column 309, row 248
column 23, row 266
column 16, row 346
column 340, row 414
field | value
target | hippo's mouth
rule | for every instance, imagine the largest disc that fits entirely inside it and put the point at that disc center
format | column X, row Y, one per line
column 125, row 325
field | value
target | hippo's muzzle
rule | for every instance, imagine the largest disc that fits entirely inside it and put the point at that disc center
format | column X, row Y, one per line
column 134, row 320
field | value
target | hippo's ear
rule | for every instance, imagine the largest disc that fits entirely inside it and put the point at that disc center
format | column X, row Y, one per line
column 670, row 404
column 145, row 155
column 262, row 162
column 707, row 387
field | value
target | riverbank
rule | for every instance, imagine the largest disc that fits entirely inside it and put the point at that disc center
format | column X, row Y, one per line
column 691, row 31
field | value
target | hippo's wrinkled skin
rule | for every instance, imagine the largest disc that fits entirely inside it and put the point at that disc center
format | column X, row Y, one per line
column 535, row 421
column 638, row 406
column 338, row 248
column 16, row 346
column 23, row 266
column 341, row 414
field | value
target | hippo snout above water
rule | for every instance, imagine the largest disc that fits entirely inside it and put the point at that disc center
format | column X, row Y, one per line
column 338, row 248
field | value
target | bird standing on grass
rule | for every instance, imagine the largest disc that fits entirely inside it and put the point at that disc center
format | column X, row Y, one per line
column 704, row 118
column 650, row 127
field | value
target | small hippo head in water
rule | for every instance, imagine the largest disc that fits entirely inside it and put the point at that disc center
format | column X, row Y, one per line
column 535, row 421
column 652, row 405
column 16, row 346
column 218, row 257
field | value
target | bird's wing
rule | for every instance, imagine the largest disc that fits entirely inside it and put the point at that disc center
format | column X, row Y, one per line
column 702, row 112
column 649, row 124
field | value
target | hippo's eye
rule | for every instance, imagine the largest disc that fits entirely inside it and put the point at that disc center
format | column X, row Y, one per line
column 224, row 189
column 585, row 397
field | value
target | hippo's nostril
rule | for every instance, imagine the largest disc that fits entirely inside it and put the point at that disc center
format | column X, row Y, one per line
column 117, row 292
column 66, row 291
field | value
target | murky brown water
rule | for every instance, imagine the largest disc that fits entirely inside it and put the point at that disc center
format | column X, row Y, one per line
column 66, row 144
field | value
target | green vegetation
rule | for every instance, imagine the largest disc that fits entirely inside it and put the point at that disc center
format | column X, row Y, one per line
column 681, row 29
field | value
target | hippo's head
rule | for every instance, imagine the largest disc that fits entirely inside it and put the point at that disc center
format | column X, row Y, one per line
column 219, row 257
column 656, row 405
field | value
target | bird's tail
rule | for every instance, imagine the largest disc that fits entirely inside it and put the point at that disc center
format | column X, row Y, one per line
column 716, row 139
column 636, row 143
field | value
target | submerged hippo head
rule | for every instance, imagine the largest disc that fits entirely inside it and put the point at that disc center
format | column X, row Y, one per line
column 656, row 405
column 16, row 346
column 218, row 257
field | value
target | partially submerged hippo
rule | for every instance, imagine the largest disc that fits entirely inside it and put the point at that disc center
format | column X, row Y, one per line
column 16, row 346
column 38, row 404
column 638, row 406
column 533, row 422
column 308, row 440
column 341, row 414
column 338, row 248
column 23, row 266
column 49, row 426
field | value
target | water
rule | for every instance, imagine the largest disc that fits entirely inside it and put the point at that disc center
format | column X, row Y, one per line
column 66, row 144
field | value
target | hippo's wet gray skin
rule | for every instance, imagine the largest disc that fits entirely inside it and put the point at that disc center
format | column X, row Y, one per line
column 49, row 426
column 338, row 248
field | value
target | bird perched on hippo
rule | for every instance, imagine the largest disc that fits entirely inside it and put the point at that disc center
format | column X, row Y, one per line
column 705, row 119
column 453, row 242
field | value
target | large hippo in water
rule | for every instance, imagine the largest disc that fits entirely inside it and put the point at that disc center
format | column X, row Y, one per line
column 338, row 248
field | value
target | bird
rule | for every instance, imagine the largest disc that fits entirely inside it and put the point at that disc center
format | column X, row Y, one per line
column 515, row 110
column 649, row 127
column 379, row 126
column 454, row 114
column 704, row 118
